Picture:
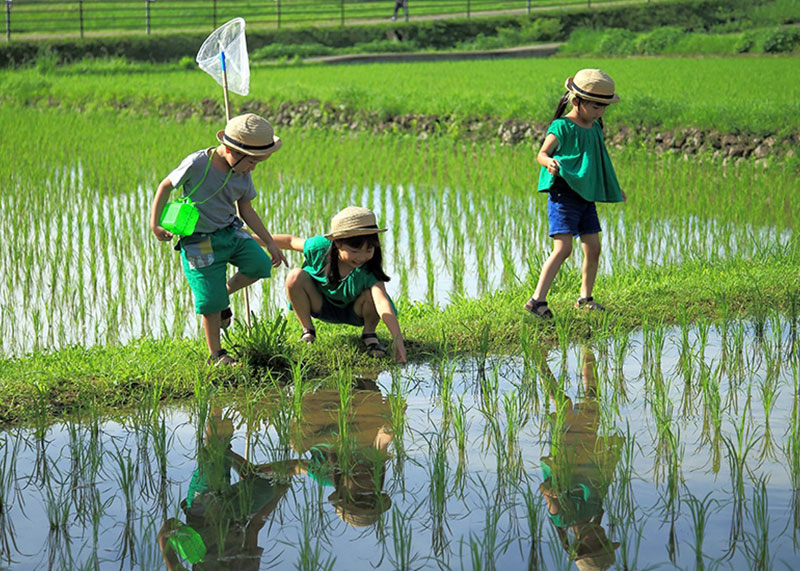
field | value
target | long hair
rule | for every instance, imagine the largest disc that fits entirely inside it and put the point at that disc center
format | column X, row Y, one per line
column 373, row 266
column 562, row 106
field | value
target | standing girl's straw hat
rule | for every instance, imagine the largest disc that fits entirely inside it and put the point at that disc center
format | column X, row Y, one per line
column 592, row 85
column 353, row 221
column 251, row 135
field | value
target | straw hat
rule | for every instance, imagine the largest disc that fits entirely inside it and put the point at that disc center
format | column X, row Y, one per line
column 251, row 135
column 353, row 221
column 593, row 85
column 362, row 511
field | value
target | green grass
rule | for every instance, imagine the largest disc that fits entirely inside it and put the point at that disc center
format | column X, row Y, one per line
column 669, row 92
column 670, row 41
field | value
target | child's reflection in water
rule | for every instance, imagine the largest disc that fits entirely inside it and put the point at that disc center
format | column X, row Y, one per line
column 579, row 470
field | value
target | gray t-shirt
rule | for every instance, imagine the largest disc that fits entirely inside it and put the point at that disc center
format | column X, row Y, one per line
column 217, row 210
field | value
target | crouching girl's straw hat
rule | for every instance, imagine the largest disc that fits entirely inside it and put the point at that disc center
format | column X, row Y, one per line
column 593, row 85
column 353, row 221
column 251, row 135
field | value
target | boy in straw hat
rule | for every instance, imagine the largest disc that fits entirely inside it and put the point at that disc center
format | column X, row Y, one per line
column 576, row 172
column 342, row 280
column 218, row 181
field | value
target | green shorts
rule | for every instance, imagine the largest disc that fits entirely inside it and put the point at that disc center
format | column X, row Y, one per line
column 205, row 260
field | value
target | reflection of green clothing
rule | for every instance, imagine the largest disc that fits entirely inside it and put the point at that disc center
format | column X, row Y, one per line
column 585, row 164
column 213, row 475
column 315, row 250
column 220, row 519
column 580, row 503
column 580, row 469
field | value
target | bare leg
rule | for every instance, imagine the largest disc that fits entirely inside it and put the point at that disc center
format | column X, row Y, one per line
column 211, row 325
column 591, row 259
column 303, row 296
column 365, row 308
column 562, row 248
column 239, row 281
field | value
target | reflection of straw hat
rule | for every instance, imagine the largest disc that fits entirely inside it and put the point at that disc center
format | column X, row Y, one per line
column 599, row 561
column 593, row 85
column 251, row 135
column 353, row 221
column 361, row 510
column 597, row 552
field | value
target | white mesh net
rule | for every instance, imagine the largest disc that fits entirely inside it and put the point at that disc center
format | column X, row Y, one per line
column 228, row 38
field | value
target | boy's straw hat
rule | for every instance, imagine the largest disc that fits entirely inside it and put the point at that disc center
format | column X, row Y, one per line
column 593, row 85
column 353, row 221
column 251, row 135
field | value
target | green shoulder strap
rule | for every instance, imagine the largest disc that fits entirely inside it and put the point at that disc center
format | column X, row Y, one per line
column 205, row 173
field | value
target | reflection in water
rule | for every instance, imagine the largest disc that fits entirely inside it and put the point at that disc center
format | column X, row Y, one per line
column 341, row 439
column 223, row 520
column 347, row 445
column 578, row 471
column 332, row 478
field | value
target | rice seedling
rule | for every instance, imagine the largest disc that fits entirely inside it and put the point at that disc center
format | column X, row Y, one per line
column 757, row 546
column 535, row 520
column 439, row 475
column 700, row 511
column 460, row 429
column 738, row 451
column 10, row 447
column 402, row 557
column 311, row 556
column 768, row 390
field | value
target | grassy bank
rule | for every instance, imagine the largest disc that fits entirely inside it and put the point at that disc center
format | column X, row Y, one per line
column 57, row 383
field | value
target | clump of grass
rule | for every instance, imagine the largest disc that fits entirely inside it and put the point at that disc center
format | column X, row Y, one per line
column 263, row 346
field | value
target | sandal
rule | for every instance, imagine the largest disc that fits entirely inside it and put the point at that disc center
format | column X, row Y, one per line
column 374, row 347
column 589, row 304
column 225, row 318
column 221, row 357
column 538, row 308
column 309, row 335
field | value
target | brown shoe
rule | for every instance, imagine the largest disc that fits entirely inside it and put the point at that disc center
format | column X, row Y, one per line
column 538, row 308
column 589, row 304
column 221, row 357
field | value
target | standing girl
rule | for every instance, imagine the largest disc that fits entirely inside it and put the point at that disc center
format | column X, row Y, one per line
column 342, row 280
column 577, row 172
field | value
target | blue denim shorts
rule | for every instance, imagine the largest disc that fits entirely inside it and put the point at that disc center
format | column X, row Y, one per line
column 568, row 213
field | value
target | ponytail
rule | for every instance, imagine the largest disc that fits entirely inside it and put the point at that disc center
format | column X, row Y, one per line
column 562, row 105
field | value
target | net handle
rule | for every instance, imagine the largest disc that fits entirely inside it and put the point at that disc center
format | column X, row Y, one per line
column 225, row 85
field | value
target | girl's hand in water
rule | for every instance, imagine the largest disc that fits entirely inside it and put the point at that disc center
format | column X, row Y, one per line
column 399, row 350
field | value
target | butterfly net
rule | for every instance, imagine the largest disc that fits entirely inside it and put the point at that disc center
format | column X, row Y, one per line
column 228, row 39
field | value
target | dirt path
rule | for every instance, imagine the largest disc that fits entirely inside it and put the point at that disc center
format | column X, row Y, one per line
column 541, row 50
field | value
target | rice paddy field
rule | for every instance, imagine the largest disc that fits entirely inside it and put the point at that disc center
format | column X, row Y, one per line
column 663, row 434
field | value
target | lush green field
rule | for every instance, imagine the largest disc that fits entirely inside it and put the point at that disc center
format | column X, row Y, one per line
column 465, row 224
column 691, row 380
column 467, row 234
column 700, row 92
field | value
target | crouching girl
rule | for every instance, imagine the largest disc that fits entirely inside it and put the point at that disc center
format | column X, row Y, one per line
column 342, row 280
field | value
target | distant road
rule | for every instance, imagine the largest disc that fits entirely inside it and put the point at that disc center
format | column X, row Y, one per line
column 516, row 11
column 540, row 50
